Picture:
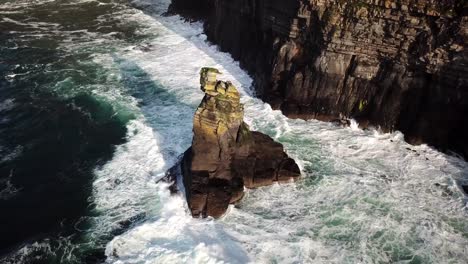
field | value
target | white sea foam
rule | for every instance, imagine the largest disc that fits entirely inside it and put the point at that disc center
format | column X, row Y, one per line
column 172, row 237
column 366, row 197
column 7, row 104
column 17, row 4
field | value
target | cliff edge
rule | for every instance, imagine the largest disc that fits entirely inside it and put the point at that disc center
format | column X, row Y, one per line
column 399, row 65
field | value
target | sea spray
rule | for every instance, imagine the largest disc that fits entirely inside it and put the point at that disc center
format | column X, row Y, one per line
column 366, row 196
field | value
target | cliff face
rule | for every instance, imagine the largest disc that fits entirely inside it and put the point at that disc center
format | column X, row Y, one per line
column 225, row 155
column 400, row 65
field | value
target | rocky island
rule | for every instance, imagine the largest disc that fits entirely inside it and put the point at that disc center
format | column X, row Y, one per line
column 225, row 155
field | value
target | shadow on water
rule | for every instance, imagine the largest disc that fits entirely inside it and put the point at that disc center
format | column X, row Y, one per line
column 161, row 16
column 171, row 120
column 166, row 116
column 62, row 141
column 162, row 110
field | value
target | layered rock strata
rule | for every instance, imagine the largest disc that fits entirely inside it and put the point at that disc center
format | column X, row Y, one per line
column 400, row 65
column 225, row 155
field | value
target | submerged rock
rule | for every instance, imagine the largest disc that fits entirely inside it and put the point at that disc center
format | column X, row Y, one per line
column 225, row 155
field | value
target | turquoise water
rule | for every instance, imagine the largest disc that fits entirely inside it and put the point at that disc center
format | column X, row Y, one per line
column 97, row 103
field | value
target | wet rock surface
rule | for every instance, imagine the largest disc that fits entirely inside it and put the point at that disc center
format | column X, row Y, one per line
column 225, row 155
column 399, row 65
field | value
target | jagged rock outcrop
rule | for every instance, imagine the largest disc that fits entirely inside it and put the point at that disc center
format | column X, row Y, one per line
column 225, row 155
column 397, row 64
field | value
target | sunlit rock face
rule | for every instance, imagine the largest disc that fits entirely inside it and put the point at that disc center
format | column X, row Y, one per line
column 399, row 65
column 225, row 155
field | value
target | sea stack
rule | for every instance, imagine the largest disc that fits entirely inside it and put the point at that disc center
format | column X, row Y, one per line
column 225, row 155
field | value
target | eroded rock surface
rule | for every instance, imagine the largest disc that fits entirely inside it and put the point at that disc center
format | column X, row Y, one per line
column 401, row 65
column 225, row 155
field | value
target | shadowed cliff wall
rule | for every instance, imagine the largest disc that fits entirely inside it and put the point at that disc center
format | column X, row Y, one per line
column 400, row 65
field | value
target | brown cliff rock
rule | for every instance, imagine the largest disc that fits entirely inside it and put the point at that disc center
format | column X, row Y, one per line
column 225, row 155
column 400, row 65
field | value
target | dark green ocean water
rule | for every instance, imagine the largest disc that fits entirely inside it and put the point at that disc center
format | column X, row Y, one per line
column 54, row 128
